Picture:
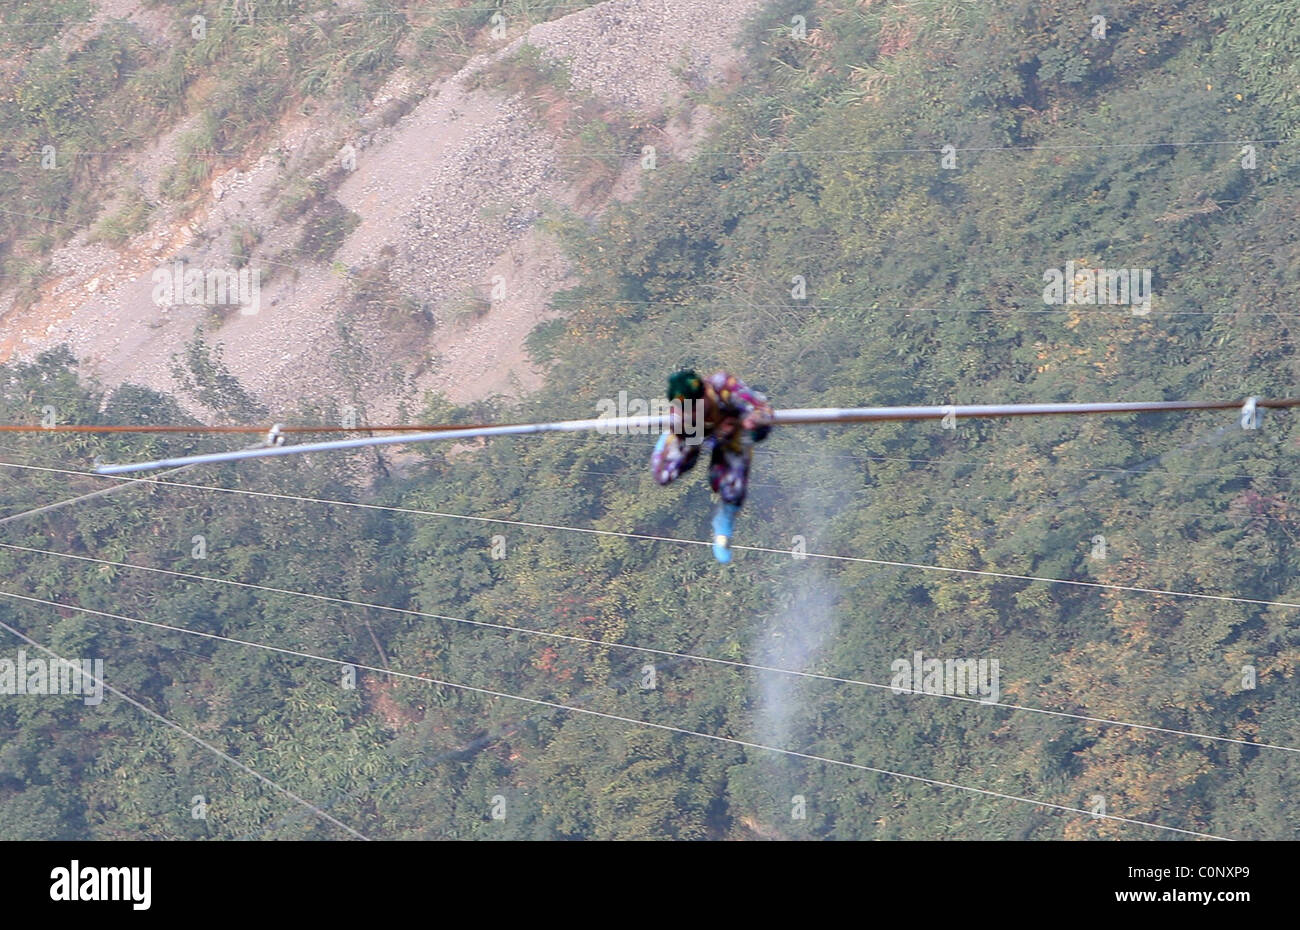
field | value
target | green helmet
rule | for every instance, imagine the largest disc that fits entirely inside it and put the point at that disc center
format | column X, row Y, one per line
column 685, row 384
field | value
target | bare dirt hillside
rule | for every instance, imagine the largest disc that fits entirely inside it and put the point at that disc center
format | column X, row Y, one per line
column 446, row 269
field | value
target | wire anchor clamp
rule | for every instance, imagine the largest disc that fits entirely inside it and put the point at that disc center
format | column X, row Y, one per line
column 1250, row 413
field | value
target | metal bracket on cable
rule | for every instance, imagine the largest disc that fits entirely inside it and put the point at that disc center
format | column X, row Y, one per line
column 275, row 437
column 1250, row 413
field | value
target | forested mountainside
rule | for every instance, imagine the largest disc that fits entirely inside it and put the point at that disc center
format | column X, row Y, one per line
column 874, row 219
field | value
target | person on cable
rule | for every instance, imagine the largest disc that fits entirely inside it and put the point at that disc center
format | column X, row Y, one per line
column 731, row 418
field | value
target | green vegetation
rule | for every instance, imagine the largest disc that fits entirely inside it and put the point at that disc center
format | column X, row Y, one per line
column 545, row 339
column 826, row 164
column 325, row 229
column 467, row 309
column 130, row 219
column 243, row 240
column 84, row 98
column 377, row 295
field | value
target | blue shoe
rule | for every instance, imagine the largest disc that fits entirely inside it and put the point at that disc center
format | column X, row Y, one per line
column 724, row 523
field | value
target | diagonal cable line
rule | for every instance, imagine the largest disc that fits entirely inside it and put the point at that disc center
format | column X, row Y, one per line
column 103, row 492
column 555, row 705
column 886, row 563
column 180, row 729
column 608, row 644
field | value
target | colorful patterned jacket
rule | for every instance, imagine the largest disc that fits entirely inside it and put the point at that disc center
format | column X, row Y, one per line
column 734, row 398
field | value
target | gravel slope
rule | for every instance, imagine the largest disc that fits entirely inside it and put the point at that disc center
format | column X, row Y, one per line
column 449, row 196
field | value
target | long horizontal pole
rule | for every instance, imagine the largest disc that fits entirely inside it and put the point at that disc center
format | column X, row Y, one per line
column 877, row 414
column 81, row 499
column 604, row 424
column 643, row 424
column 200, row 429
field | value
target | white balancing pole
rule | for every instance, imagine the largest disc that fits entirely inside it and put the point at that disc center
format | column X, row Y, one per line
column 658, row 422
